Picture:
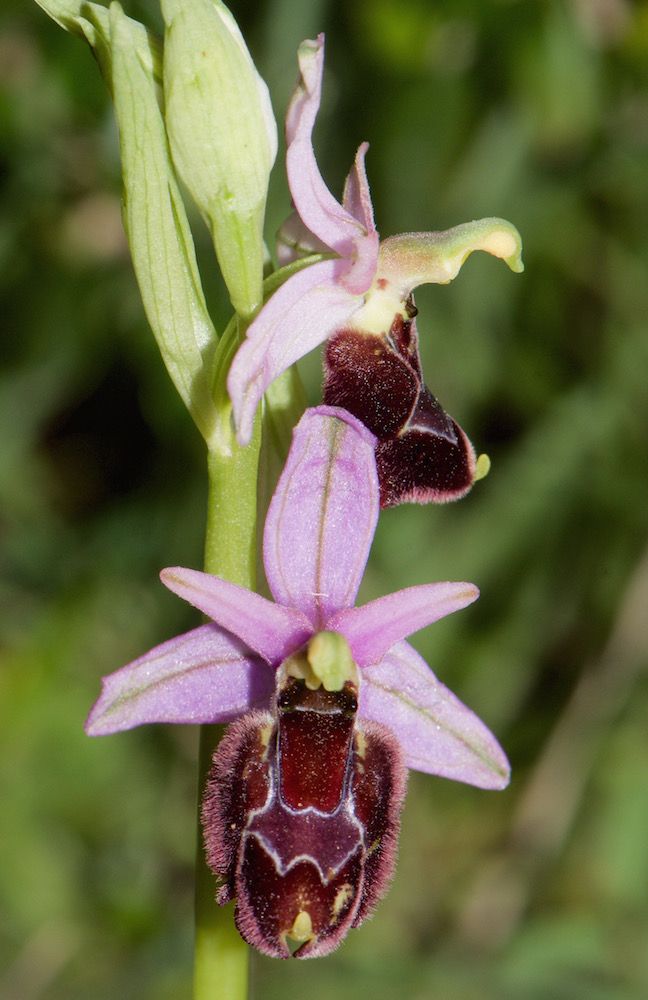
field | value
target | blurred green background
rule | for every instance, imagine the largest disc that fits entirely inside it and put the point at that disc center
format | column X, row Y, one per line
column 535, row 111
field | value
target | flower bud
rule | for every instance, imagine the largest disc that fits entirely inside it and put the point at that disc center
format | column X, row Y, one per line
column 223, row 136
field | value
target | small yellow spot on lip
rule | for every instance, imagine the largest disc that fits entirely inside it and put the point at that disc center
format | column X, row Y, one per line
column 302, row 928
column 342, row 897
column 482, row 467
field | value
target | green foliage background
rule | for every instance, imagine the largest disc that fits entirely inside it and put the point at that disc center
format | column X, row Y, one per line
column 534, row 110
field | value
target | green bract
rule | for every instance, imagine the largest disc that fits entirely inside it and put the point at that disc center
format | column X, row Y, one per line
column 158, row 231
column 223, row 136
column 154, row 216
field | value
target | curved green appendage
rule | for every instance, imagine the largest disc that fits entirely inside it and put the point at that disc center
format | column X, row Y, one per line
column 412, row 259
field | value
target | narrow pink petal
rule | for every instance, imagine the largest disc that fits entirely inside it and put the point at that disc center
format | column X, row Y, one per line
column 270, row 630
column 437, row 732
column 357, row 201
column 323, row 515
column 202, row 676
column 374, row 627
column 321, row 213
column 357, row 197
column 299, row 316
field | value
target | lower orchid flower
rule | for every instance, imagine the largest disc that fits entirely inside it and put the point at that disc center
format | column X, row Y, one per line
column 301, row 809
column 361, row 302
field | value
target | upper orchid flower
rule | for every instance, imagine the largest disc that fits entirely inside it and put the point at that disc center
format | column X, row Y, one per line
column 301, row 812
column 362, row 300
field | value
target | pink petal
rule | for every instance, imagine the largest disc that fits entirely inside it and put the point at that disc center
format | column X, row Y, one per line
column 202, row 676
column 323, row 515
column 299, row 316
column 374, row 627
column 319, row 210
column 270, row 630
column 437, row 732
column 357, row 197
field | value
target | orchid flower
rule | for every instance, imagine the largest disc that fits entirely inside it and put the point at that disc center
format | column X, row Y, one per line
column 361, row 300
column 301, row 811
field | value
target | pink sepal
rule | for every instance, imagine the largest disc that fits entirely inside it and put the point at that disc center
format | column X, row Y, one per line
column 203, row 676
column 269, row 629
column 323, row 515
column 373, row 628
column 437, row 732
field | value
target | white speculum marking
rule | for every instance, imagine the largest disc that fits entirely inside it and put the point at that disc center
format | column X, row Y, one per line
column 343, row 816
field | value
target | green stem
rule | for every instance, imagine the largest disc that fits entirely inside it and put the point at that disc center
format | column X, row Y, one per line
column 231, row 535
column 221, row 955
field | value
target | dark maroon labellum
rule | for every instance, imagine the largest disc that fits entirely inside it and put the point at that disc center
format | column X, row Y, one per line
column 422, row 454
column 301, row 817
